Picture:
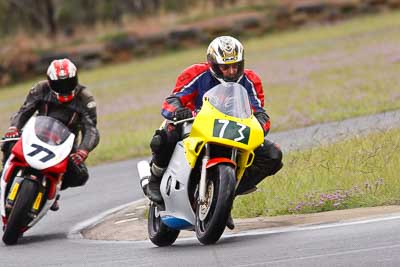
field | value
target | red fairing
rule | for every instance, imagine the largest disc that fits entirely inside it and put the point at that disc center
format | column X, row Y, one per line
column 17, row 160
column 59, row 168
column 52, row 188
column 11, row 167
column 18, row 151
column 19, row 154
column 215, row 161
column 55, row 174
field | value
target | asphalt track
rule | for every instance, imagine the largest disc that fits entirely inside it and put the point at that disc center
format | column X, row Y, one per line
column 53, row 243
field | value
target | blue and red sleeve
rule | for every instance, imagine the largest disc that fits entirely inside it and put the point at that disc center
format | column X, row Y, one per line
column 185, row 92
column 257, row 99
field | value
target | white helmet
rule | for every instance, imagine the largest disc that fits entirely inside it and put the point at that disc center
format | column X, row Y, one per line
column 225, row 50
column 63, row 78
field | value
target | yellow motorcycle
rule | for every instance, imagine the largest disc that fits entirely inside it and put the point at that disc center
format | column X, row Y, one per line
column 198, row 186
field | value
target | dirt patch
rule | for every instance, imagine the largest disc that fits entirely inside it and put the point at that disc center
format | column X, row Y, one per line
column 130, row 223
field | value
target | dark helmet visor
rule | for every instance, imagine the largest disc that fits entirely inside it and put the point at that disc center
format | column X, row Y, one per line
column 64, row 86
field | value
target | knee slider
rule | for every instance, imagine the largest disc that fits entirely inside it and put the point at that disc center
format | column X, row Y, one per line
column 276, row 158
column 277, row 154
column 274, row 152
column 159, row 141
column 83, row 174
column 156, row 143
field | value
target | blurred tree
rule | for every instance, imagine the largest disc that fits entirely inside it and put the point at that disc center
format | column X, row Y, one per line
column 36, row 14
column 50, row 16
column 175, row 5
column 4, row 22
column 221, row 3
column 112, row 11
column 90, row 13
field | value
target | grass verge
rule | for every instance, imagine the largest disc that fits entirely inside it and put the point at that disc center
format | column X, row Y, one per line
column 360, row 172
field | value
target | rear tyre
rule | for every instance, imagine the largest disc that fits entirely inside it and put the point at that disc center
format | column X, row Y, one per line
column 19, row 217
column 159, row 234
column 211, row 217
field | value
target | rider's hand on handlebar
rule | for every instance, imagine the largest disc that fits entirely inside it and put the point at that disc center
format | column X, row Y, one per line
column 12, row 132
column 79, row 156
column 182, row 113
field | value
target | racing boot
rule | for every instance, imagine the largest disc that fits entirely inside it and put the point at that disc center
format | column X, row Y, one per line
column 229, row 223
column 153, row 187
column 55, row 205
column 245, row 187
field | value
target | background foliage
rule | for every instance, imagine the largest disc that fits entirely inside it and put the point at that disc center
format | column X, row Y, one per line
column 53, row 16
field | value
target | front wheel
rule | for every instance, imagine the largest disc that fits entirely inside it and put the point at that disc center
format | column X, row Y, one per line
column 19, row 217
column 211, row 216
column 159, row 234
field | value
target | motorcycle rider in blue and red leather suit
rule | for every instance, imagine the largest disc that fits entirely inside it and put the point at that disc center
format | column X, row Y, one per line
column 225, row 63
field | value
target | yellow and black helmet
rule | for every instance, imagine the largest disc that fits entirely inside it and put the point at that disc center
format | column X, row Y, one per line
column 225, row 50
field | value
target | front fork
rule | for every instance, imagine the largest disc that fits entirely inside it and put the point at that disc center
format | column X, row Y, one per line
column 203, row 174
column 40, row 205
column 15, row 187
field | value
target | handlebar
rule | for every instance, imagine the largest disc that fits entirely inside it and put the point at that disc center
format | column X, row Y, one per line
column 182, row 121
column 4, row 140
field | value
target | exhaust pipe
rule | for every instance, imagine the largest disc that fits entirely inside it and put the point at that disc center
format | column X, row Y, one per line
column 143, row 167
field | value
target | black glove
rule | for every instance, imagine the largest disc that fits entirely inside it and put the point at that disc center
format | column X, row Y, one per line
column 182, row 113
column 263, row 119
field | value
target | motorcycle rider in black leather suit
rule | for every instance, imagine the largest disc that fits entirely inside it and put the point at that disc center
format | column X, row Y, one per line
column 63, row 98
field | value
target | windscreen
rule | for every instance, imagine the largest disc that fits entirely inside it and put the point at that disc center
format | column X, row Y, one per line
column 231, row 99
column 50, row 130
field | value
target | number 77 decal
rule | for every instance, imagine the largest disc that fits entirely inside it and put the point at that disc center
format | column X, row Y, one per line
column 39, row 149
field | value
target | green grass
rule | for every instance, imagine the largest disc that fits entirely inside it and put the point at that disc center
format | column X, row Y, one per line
column 360, row 172
column 310, row 75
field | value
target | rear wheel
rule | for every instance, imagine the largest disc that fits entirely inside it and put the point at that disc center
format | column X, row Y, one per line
column 19, row 217
column 159, row 234
column 211, row 216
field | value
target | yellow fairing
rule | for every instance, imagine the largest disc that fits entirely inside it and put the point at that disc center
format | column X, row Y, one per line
column 212, row 126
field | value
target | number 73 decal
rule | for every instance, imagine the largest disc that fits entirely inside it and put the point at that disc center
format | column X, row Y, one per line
column 231, row 130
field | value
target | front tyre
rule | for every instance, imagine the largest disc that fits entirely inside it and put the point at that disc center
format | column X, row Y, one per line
column 159, row 234
column 19, row 217
column 211, row 216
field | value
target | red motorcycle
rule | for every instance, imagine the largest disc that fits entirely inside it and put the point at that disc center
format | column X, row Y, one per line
column 32, row 175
